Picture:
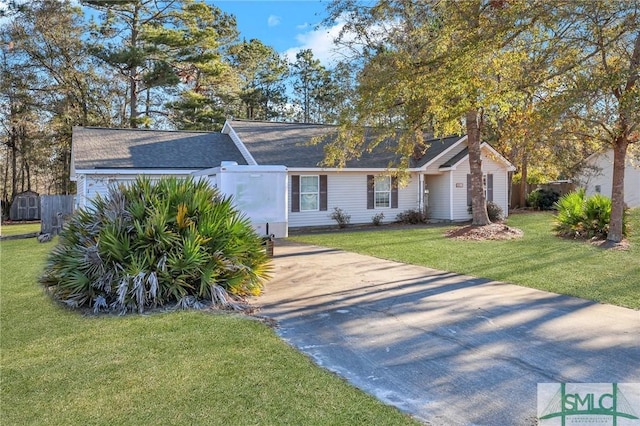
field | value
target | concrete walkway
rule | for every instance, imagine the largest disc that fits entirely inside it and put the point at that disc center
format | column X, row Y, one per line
column 449, row 349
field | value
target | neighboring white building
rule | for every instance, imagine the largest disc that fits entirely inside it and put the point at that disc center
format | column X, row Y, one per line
column 438, row 181
column 597, row 177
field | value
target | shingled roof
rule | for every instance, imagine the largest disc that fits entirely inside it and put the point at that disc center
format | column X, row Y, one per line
column 102, row 148
column 288, row 144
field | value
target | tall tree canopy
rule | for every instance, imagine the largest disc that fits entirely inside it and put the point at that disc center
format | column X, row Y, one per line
column 49, row 84
column 166, row 44
column 604, row 92
column 262, row 73
column 454, row 65
column 457, row 66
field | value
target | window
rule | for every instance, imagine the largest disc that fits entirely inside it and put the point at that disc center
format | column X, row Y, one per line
column 484, row 184
column 309, row 193
column 598, row 189
column 382, row 191
column 487, row 187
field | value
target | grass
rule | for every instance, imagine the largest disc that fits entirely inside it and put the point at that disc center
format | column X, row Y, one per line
column 538, row 260
column 19, row 229
column 180, row 368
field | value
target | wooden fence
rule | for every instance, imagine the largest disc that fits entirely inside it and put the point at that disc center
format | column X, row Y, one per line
column 561, row 188
column 54, row 211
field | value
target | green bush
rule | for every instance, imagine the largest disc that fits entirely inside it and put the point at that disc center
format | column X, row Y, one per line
column 341, row 217
column 411, row 217
column 495, row 212
column 377, row 219
column 584, row 217
column 542, row 198
column 145, row 245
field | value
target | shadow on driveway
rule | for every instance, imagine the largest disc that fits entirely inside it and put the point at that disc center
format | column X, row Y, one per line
column 446, row 348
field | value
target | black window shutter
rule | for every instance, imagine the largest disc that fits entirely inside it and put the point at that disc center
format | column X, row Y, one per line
column 323, row 192
column 489, row 187
column 370, row 193
column 295, row 193
column 468, row 190
column 394, row 192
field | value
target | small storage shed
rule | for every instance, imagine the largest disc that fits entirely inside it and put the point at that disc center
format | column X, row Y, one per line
column 25, row 206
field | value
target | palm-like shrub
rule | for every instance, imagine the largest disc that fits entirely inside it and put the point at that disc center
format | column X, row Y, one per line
column 171, row 243
column 580, row 216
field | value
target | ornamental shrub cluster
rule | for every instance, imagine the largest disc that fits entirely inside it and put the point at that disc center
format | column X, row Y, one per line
column 341, row 217
column 580, row 216
column 543, row 198
column 494, row 212
column 412, row 217
column 173, row 243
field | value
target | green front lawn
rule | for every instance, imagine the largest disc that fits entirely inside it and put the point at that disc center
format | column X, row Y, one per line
column 539, row 260
column 19, row 229
column 58, row 367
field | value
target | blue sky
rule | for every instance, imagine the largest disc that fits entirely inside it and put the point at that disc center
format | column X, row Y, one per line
column 287, row 26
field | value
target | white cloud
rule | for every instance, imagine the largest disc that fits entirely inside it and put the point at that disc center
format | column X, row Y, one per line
column 321, row 40
column 273, row 21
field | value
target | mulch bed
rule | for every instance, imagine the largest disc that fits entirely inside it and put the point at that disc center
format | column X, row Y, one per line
column 493, row 231
column 610, row 245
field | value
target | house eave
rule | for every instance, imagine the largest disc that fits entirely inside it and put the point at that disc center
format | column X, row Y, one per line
column 510, row 167
column 135, row 171
column 350, row 169
column 443, row 153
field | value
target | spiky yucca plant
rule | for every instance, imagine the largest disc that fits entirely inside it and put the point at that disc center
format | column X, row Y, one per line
column 580, row 216
column 175, row 242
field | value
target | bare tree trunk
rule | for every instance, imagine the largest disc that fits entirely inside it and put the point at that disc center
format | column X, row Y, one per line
column 524, row 172
column 14, row 162
column 27, row 173
column 5, row 196
column 65, row 182
column 133, row 73
column 615, row 234
column 478, row 199
column 620, row 145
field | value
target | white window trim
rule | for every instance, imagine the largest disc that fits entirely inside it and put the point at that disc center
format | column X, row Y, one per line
column 376, row 192
column 316, row 193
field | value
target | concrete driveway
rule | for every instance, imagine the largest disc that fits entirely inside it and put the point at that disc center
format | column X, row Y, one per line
column 446, row 348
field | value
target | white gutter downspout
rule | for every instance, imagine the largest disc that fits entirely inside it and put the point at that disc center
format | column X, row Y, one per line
column 421, row 191
column 450, row 196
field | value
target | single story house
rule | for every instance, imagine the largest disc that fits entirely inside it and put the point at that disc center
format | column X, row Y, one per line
column 597, row 177
column 438, row 181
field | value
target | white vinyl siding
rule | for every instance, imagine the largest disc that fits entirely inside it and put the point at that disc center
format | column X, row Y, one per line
column 500, row 192
column 81, row 191
column 347, row 190
column 602, row 176
column 99, row 185
column 439, row 196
